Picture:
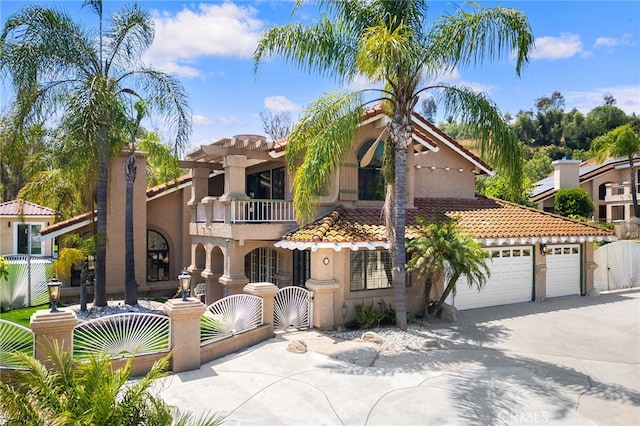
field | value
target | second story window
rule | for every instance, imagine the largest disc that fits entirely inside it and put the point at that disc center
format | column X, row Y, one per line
column 266, row 185
column 371, row 184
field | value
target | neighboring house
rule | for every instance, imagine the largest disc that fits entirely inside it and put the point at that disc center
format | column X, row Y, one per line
column 20, row 224
column 231, row 221
column 607, row 183
column 29, row 259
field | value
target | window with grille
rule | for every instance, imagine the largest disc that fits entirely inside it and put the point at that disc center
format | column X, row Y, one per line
column 370, row 270
column 261, row 264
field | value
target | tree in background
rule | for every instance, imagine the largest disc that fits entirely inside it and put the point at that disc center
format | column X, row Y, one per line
column 621, row 142
column 53, row 61
column 276, row 125
column 571, row 202
column 393, row 47
column 441, row 251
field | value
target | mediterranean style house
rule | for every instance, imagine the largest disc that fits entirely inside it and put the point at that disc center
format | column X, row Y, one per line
column 607, row 183
column 231, row 222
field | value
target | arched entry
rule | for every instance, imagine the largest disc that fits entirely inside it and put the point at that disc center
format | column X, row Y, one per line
column 261, row 265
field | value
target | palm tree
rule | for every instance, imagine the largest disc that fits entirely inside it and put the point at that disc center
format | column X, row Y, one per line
column 164, row 158
column 623, row 142
column 87, row 393
column 76, row 253
column 443, row 251
column 54, row 61
column 390, row 42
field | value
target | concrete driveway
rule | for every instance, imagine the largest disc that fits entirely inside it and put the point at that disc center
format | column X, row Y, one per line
column 573, row 360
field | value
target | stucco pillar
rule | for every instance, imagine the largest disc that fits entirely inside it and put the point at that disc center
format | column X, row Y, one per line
column 51, row 328
column 233, row 279
column 267, row 292
column 323, row 303
column 185, row 333
column 234, row 177
column 589, row 267
column 199, row 189
column 541, row 274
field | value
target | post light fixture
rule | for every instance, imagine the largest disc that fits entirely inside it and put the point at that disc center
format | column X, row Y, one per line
column 345, row 310
column 185, row 283
column 54, row 293
column 325, row 260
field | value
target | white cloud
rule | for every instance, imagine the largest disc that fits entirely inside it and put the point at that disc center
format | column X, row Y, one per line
column 201, row 120
column 220, row 29
column 625, row 40
column 453, row 76
column 627, row 98
column 564, row 46
column 280, row 103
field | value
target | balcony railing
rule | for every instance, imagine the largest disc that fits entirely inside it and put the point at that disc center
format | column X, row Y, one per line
column 246, row 211
column 619, row 192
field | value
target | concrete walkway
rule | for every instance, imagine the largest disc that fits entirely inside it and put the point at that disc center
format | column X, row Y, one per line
column 573, row 360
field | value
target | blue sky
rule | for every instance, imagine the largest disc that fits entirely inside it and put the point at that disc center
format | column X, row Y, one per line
column 584, row 49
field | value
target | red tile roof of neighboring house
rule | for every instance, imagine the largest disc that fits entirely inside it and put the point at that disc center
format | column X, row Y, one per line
column 490, row 220
column 24, row 208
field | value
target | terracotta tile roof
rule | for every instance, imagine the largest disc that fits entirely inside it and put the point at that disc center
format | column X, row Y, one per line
column 482, row 218
column 24, row 208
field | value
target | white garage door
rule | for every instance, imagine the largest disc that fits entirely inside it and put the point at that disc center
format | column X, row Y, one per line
column 563, row 270
column 511, row 280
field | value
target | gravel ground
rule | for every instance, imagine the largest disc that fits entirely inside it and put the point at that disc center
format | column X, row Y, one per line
column 416, row 338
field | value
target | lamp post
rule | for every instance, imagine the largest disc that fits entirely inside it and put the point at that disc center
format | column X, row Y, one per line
column 54, row 293
column 185, row 283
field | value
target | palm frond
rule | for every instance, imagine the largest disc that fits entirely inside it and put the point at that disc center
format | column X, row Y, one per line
column 470, row 38
column 326, row 48
column 321, row 139
column 497, row 142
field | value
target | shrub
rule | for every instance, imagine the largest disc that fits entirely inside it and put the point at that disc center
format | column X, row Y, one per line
column 573, row 201
column 370, row 316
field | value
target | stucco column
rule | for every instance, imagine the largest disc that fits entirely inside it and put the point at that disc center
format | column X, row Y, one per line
column 323, row 305
column 234, row 177
column 185, row 333
column 589, row 267
column 50, row 328
column 267, row 292
column 233, row 280
column 199, row 189
column 540, row 274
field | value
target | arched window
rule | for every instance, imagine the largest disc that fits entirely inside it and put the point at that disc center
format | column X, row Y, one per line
column 157, row 257
column 370, row 181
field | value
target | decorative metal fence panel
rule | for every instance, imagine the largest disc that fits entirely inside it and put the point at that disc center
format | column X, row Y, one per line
column 293, row 307
column 14, row 338
column 229, row 316
column 27, row 282
column 122, row 335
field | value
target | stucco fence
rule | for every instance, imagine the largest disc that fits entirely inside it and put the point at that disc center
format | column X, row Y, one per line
column 194, row 333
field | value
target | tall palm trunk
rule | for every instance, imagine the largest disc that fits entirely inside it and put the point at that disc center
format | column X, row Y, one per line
column 130, row 285
column 634, row 187
column 100, row 294
column 400, row 133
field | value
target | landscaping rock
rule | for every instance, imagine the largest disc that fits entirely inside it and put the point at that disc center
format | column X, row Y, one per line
column 364, row 355
column 297, row 347
column 372, row 337
column 448, row 313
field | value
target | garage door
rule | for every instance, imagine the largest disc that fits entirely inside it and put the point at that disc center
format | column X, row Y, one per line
column 511, row 280
column 563, row 270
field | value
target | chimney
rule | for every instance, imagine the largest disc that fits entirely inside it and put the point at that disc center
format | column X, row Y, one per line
column 566, row 173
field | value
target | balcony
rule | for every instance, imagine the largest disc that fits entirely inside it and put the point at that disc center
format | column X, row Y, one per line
column 213, row 210
column 619, row 193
